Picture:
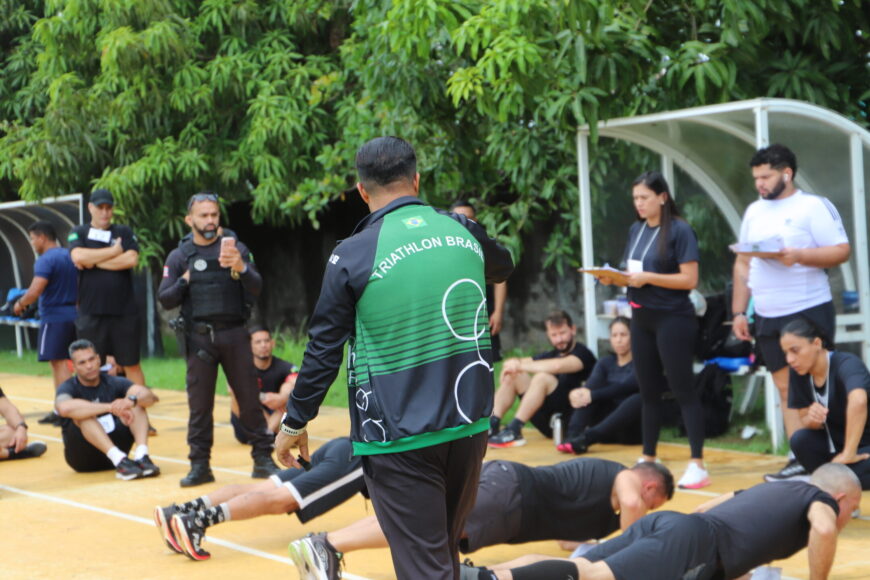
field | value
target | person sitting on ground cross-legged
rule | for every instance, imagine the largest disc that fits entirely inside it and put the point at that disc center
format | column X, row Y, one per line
column 275, row 380
column 13, row 435
column 608, row 408
column 105, row 416
column 573, row 501
column 542, row 382
column 333, row 477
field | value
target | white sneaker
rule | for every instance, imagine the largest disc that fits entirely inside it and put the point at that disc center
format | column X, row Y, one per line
column 694, row 478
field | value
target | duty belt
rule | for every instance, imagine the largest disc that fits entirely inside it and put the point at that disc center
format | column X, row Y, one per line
column 210, row 327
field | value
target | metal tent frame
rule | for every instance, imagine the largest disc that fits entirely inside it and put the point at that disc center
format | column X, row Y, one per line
column 713, row 144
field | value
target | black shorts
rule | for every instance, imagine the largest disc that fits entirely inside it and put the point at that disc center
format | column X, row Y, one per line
column 54, row 340
column 335, row 476
column 112, row 335
column 84, row 457
column 555, row 402
column 663, row 545
column 496, row 517
column 767, row 332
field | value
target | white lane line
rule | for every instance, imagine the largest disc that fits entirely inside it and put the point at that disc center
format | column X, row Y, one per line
column 149, row 522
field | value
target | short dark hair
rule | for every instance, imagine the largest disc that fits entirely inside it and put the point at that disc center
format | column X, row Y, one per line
column 462, row 203
column 81, row 344
column 252, row 330
column 806, row 328
column 385, row 160
column 661, row 473
column 777, row 156
column 558, row 318
column 43, row 228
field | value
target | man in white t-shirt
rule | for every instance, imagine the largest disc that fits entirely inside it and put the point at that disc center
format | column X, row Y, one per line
column 795, row 283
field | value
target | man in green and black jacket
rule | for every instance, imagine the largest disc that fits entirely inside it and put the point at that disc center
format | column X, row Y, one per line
column 407, row 290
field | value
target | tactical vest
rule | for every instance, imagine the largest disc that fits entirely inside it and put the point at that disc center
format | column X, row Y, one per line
column 213, row 295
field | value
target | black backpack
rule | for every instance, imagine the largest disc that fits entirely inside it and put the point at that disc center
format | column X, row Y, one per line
column 715, row 338
column 714, row 387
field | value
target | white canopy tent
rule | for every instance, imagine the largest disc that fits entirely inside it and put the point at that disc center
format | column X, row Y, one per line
column 713, row 146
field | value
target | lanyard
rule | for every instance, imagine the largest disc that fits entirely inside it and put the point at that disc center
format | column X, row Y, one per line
column 637, row 241
column 823, row 400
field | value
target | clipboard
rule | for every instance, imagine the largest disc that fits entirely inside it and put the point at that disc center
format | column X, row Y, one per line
column 617, row 276
column 769, row 248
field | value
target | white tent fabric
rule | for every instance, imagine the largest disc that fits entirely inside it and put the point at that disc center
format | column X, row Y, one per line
column 713, row 145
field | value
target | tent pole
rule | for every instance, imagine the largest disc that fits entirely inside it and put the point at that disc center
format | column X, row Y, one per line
column 590, row 311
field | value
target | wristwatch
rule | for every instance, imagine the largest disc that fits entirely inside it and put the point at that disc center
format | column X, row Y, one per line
column 133, row 398
column 22, row 424
column 288, row 430
column 736, row 314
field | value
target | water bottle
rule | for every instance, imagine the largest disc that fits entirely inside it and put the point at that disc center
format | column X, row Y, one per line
column 556, row 426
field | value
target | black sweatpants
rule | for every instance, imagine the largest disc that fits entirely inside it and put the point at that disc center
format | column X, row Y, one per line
column 422, row 498
column 662, row 346
column 611, row 422
column 810, row 447
column 231, row 349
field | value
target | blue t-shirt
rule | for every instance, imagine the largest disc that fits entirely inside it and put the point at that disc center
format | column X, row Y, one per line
column 58, row 301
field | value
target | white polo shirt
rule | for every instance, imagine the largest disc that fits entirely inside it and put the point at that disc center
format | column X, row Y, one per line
column 804, row 221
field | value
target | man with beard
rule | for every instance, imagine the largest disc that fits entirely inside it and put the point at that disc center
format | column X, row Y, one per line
column 542, row 382
column 275, row 380
column 793, row 284
column 212, row 277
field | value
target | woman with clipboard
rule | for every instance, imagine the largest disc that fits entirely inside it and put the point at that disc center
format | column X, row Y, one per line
column 829, row 390
column 661, row 259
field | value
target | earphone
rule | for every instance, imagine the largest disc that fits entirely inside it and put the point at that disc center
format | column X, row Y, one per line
column 785, row 177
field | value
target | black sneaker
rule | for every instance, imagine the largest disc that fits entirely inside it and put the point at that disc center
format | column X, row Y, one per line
column 147, row 466
column 199, row 474
column 506, row 438
column 128, row 470
column 793, row 471
column 264, row 466
column 163, row 519
column 34, row 449
column 315, row 558
column 190, row 533
column 49, row 418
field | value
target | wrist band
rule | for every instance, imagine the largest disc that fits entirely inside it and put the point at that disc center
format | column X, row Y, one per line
column 291, row 431
column 736, row 314
column 286, row 429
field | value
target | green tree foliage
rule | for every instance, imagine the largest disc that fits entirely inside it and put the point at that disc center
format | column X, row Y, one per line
column 268, row 100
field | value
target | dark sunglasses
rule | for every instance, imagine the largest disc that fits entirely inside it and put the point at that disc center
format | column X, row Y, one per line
column 205, row 196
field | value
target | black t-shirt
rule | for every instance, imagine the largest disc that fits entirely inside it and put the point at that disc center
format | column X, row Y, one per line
column 568, row 381
column 568, row 500
column 682, row 247
column 109, row 389
column 611, row 382
column 763, row 523
column 271, row 379
column 107, row 292
column 847, row 373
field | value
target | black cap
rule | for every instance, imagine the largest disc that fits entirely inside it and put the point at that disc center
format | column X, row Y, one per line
column 102, row 196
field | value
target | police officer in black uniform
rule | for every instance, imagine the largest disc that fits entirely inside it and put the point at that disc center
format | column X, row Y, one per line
column 211, row 276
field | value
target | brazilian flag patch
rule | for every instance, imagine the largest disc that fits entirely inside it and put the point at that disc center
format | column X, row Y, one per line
column 72, row 237
column 414, row 222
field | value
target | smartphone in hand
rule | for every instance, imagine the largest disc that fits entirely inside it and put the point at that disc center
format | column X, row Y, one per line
column 228, row 242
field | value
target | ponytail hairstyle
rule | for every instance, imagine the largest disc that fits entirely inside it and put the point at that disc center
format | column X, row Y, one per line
column 805, row 328
column 657, row 183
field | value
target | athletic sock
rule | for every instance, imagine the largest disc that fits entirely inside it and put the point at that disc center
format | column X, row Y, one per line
column 791, row 456
column 199, row 504
column 215, row 515
column 115, row 455
column 494, row 423
column 141, row 451
column 516, row 425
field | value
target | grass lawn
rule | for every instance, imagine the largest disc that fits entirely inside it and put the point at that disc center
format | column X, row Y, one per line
column 169, row 373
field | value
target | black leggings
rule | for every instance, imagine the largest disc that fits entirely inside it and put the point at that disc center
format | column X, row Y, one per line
column 608, row 421
column 662, row 346
column 810, row 447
